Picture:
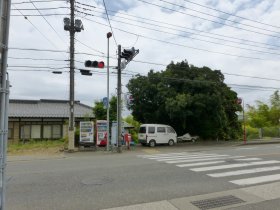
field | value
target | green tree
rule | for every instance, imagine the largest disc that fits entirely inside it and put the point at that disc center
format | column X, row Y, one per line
column 189, row 98
column 100, row 111
column 265, row 115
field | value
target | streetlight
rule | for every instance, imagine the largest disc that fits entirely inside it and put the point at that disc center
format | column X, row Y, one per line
column 109, row 34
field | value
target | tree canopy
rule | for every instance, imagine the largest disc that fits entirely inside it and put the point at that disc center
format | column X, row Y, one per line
column 100, row 111
column 265, row 115
column 189, row 98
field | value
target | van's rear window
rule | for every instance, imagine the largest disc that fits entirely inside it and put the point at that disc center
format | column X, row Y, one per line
column 142, row 130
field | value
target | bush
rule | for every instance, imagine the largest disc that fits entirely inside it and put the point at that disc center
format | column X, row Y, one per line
column 252, row 133
column 270, row 132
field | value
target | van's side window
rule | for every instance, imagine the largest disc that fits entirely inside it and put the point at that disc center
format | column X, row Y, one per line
column 161, row 129
column 151, row 130
column 142, row 130
column 170, row 130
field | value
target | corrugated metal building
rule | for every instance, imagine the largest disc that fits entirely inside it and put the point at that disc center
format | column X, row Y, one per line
column 43, row 119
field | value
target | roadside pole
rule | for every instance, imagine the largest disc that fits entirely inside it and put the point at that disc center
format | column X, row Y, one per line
column 71, row 131
column 5, row 7
column 119, row 109
column 244, row 126
column 109, row 34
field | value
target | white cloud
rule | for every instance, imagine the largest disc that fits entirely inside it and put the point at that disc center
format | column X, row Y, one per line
column 36, row 85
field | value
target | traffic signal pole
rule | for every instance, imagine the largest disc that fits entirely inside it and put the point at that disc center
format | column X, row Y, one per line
column 71, row 130
column 119, row 107
column 5, row 7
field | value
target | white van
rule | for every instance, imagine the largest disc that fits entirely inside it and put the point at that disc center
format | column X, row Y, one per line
column 153, row 134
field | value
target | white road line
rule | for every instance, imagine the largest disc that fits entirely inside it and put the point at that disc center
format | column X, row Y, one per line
column 200, row 164
column 169, row 155
column 257, row 180
column 201, row 159
column 247, row 148
column 178, row 156
column 234, row 165
column 248, row 159
column 248, row 171
column 191, row 157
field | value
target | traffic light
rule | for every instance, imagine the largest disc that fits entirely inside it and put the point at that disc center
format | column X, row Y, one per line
column 129, row 54
column 85, row 72
column 94, row 64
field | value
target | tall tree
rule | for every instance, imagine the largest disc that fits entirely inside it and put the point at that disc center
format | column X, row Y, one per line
column 189, row 98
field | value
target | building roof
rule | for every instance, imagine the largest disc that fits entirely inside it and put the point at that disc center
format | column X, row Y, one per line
column 47, row 108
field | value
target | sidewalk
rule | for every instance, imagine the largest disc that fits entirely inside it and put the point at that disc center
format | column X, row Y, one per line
column 231, row 199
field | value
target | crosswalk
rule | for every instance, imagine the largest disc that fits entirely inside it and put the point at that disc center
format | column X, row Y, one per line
column 223, row 166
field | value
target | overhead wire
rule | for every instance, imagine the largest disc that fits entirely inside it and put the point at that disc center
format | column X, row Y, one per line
column 177, row 44
column 224, row 19
column 230, row 14
column 36, row 28
column 48, row 22
column 177, row 26
column 110, row 23
column 232, row 26
column 188, row 37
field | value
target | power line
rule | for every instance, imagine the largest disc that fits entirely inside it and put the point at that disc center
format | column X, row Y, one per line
column 36, row 28
column 181, row 45
column 220, row 39
column 202, row 40
column 48, row 22
column 110, row 23
column 225, row 19
column 47, row 1
column 231, row 14
column 36, row 59
column 174, row 10
column 89, row 47
column 39, row 67
column 178, row 26
column 136, row 61
column 36, row 9
column 45, row 15
column 204, row 81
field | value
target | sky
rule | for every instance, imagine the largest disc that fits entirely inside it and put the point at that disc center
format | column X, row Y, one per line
column 239, row 37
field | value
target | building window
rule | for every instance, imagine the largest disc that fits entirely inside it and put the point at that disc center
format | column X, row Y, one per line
column 25, row 132
column 10, row 133
column 52, row 132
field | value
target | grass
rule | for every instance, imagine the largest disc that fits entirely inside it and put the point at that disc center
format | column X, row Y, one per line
column 32, row 147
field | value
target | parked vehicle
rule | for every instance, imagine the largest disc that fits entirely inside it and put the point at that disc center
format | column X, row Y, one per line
column 187, row 137
column 153, row 134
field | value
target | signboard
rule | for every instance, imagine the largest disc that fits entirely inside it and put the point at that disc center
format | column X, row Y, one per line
column 86, row 132
column 105, row 102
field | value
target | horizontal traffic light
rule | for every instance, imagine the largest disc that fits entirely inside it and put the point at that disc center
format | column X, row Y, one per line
column 94, row 64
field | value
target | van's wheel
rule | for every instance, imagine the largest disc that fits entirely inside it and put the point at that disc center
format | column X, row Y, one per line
column 170, row 142
column 152, row 143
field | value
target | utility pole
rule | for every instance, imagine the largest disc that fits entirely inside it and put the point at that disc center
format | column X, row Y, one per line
column 5, row 7
column 119, row 106
column 71, row 131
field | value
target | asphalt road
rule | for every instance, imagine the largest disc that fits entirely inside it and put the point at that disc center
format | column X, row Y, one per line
column 99, row 180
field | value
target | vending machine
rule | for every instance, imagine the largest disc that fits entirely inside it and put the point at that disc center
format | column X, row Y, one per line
column 101, row 132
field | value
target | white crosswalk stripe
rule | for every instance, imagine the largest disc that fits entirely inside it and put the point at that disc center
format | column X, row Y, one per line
column 199, row 164
column 216, row 162
column 247, row 171
column 257, row 180
column 194, row 158
column 234, row 165
column 200, row 159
